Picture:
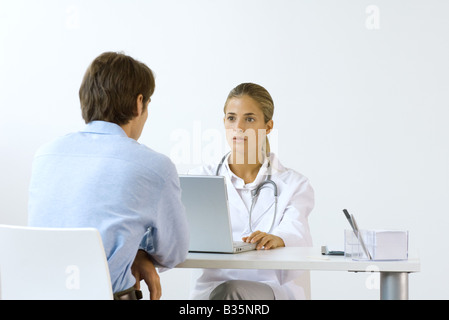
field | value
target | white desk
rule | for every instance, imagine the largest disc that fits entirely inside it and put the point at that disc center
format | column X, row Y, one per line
column 393, row 274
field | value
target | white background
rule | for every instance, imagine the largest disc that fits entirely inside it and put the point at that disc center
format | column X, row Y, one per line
column 361, row 102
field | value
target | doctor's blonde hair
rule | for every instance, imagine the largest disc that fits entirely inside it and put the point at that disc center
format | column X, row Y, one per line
column 261, row 96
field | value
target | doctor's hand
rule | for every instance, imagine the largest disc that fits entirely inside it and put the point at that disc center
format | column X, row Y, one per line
column 264, row 240
column 144, row 269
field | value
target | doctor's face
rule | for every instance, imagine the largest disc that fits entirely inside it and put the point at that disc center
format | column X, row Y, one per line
column 246, row 129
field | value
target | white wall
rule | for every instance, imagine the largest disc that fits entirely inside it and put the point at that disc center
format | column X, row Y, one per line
column 361, row 97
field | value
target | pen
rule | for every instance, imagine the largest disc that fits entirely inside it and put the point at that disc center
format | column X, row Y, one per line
column 356, row 231
column 349, row 218
column 359, row 236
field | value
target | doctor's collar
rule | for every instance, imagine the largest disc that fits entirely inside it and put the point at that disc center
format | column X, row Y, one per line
column 261, row 175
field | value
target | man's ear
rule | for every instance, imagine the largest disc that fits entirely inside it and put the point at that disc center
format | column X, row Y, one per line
column 139, row 107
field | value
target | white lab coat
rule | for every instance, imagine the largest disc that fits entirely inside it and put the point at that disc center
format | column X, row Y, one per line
column 295, row 202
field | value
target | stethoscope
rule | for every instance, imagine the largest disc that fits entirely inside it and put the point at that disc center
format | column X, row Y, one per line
column 256, row 191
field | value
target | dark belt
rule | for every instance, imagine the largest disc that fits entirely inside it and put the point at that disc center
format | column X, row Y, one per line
column 128, row 294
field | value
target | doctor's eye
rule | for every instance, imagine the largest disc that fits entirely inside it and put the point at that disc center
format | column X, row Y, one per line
column 230, row 118
column 250, row 119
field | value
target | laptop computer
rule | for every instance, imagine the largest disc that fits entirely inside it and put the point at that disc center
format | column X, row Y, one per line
column 206, row 202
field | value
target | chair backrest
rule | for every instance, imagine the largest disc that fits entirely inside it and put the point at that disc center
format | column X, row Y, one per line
column 53, row 263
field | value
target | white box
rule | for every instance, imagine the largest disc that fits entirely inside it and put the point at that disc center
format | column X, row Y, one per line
column 381, row 244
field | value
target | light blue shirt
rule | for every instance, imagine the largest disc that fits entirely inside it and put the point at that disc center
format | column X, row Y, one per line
column 101, row 178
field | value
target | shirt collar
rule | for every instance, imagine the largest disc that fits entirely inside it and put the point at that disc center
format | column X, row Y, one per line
column 239, row 183
column 104, row 127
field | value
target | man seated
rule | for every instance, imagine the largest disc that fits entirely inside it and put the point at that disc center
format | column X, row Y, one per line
column 102, row 177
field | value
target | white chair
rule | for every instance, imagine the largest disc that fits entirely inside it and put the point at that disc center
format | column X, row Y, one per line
column 53, row 264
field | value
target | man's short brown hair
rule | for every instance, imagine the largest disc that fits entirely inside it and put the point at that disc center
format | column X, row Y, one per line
column 111, row 86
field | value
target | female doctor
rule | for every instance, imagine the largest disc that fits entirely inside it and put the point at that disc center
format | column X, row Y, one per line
column 254, row 176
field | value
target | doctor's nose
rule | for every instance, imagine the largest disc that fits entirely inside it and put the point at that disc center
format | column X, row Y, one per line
column 240, row 127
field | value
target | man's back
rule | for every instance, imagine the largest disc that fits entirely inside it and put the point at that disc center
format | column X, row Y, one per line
column 101, row 178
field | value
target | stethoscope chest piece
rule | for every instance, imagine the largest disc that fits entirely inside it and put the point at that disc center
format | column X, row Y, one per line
column 255, row 193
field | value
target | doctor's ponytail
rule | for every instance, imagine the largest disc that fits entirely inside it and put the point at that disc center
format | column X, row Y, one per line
column 261, row 96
